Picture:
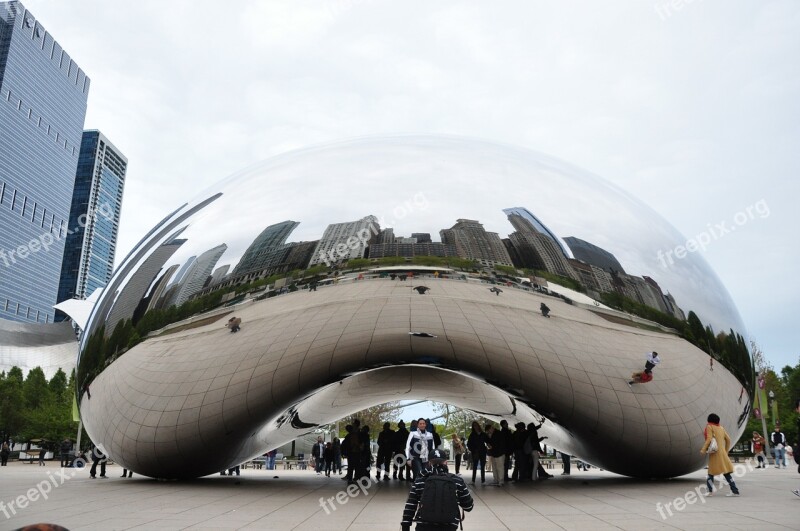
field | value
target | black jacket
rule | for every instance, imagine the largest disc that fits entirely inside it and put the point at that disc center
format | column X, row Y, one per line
column 476, row 442
column 386, row 441
column 400, row 439
column 414, row 495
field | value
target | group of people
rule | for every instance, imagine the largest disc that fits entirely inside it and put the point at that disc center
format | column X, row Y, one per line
column 781, row 451
column 502, row 445
column 327, row 456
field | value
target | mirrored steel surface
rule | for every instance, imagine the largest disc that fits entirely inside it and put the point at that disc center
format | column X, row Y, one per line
column 163, row 380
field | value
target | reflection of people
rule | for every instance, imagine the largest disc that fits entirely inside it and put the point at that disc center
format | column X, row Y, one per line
column 421, row 289
column 544, row 309
column 651, row 360
column 496, row 291
column 718, row 462
column 234, row 323
column 641, row 377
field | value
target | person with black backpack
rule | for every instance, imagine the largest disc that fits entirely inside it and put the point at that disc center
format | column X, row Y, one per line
column 435, row 497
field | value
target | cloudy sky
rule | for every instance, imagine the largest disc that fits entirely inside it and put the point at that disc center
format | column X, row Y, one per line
column 691, row 106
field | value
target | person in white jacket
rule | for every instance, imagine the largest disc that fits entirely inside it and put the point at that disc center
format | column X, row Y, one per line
column 418, row 447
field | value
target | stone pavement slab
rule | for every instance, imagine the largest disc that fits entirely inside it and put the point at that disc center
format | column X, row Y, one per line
column 292, row 500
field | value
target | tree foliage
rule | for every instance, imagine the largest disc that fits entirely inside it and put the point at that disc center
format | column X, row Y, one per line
column 34, row 408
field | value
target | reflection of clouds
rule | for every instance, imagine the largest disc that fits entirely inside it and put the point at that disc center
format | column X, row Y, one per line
column 460, row 178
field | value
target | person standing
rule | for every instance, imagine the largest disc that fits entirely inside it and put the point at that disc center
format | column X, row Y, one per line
column 66, row 448
column 385, row 447
column 565, row 463
column 318, row 453
column 126, row 473
column 98, row 457
column 366, row 454
column 327, row 455
column 271, row 459
column 476, row 442
column 758, row 449
column 349, row 442
column 337, row 456
column 5, row 451
column 778, row 444
column 505, row 433
column 458, row 450
column 42, row 453
column 519, row 438
column 718, row 461
column 418, row 447
column 796, row 492
column 497, row 453
column 435, row 497
column 399, row 450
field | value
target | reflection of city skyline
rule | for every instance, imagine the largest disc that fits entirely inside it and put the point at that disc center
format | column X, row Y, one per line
column 532, row 245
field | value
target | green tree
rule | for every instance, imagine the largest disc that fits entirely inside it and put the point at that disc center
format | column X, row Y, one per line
column 35, row 390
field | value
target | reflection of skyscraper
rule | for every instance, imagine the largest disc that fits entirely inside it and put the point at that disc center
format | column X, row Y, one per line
column 157, row 293
column 592, row 254
column 258, row 252
column 343, row 241
column 536, row 249
column 97, row 198
column 42, row 107
column 131, row 295
column 182, row 271
column 198, row 273
column 218, row 274
column 533, row 223
column 474, row 243
column 408, row 250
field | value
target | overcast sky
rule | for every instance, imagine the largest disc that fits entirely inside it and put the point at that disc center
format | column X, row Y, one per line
column 694, row 110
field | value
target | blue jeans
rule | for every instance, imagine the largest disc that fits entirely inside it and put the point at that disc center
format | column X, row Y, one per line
column 728, row 478
column 318, row 464
column 778, row 453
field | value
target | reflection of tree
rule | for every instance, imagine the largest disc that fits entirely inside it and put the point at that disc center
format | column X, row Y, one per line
column 729, row 349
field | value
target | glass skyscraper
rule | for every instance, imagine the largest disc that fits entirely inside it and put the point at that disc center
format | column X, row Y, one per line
column 94, row 218
column 43, row 97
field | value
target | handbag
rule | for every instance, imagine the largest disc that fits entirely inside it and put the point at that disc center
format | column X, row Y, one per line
column 713, row 447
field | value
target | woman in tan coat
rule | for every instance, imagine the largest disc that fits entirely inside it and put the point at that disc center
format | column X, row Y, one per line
column 718, row 462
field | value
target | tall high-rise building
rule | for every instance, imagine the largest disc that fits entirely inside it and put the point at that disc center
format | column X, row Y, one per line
column 91, row 242
column 345, row 241
column 42, row 108
column 473, row 242
column 261, row 249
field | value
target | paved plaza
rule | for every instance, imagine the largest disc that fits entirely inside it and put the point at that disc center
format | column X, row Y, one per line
column 290, row 499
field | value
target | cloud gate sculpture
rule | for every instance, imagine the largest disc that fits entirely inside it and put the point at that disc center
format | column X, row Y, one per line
column 410, row 268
